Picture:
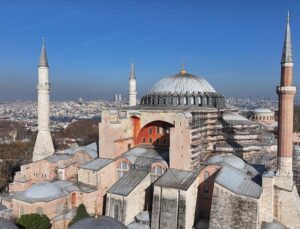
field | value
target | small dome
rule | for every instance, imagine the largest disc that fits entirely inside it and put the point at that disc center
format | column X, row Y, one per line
column 6, row 224
column 231, row 160
column 42, row 191
column 182, row 83
column 103, row 222
column 214, row 159
column 234, row 161
column 262, row 110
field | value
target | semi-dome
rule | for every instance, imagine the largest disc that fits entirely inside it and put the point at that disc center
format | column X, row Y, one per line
column 6, row 224
column 103, row 222
column 183, row 89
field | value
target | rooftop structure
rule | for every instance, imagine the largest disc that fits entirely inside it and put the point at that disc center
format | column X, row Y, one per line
column 183, row 89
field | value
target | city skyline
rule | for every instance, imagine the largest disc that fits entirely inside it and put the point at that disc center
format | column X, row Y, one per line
column 235, row 47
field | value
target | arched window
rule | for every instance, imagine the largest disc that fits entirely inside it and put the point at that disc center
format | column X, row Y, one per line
column 156, row 172
column 122, row 169
column 40, row 211
column 176, row 100
column 150, row 130
column 116, row 211
column 184, row 100
column 200, row 100
column 192, row 100
column 73, row 199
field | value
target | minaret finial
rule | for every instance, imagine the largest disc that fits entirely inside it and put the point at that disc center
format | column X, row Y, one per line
column 43, row 58
column 287, row 56
column 182, row 70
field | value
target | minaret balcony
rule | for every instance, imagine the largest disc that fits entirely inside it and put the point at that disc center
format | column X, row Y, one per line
column 43, row 87
column 286, row 90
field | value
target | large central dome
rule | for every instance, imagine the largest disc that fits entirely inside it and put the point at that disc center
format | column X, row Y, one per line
column 182, row 83
column 183, row 89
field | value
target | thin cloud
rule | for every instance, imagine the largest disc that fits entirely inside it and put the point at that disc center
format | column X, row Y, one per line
column 145, row 39
column 107, row 37
column 44, row 24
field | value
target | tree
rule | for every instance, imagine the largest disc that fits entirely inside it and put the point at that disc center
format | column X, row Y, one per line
column 80, row 214
column 33, row 221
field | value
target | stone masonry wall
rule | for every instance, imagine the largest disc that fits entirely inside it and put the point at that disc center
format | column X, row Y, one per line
column 230, row 211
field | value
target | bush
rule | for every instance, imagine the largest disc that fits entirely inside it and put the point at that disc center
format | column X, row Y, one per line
column 80, row 214
column 33, row 221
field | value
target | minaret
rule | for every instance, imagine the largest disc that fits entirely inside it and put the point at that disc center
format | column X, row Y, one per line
column 43, row 144
column 132, row 87
column 286, row 92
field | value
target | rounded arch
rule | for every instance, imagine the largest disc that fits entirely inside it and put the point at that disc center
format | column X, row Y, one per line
column 155, row 133
column 122, row 167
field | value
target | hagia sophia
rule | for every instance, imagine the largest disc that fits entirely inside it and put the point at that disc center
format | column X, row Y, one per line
column 180, row 159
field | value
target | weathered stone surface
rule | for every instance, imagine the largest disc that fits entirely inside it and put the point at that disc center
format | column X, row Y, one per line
column 230, row 211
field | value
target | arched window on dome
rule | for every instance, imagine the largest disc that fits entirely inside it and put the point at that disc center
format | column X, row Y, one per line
column 165, row 101
column 200, row 100
column 192, row 100
column 156, row 172
column 185, row 100
column 122, row 169
column 176, row 100
column 204, row 102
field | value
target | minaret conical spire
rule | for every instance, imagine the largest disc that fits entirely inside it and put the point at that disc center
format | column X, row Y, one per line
column 287, row 56
column 132, row 72
column 43, row 58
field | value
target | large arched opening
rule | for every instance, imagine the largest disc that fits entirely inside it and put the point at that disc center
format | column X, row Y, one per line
column 155, row 134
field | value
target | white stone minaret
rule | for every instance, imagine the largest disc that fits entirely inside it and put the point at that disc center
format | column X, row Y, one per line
column 43, row 144
column 132, row 87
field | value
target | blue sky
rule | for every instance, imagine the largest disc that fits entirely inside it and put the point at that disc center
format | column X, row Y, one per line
column 235, row 45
